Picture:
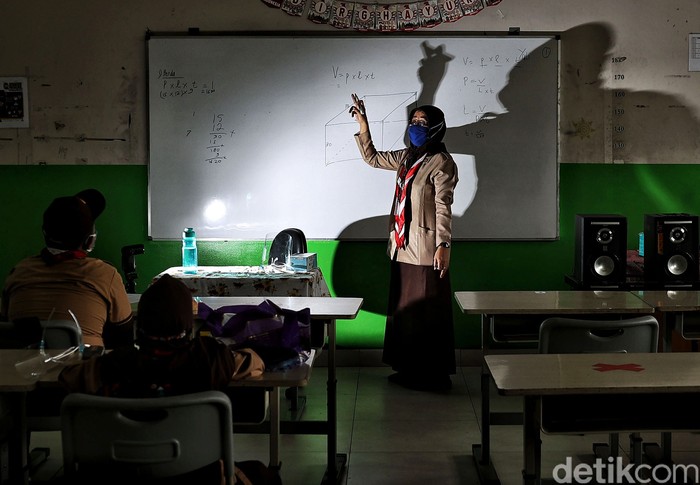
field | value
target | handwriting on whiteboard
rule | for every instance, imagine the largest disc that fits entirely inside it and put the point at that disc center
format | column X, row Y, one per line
column 173, row 85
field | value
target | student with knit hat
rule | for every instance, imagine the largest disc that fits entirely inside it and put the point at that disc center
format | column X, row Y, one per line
column 63, row 278
column 167, row 360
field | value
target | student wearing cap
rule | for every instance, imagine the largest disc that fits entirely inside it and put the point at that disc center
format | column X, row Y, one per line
column 63, row 277
column 167, row 361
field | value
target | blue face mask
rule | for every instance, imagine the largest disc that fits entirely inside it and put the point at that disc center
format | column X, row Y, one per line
column 418, row 135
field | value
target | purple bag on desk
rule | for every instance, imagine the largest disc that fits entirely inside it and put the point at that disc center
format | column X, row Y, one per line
column 259, row 326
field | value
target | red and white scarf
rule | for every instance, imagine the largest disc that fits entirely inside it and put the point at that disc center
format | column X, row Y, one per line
column 54, row 256
column 403, row 184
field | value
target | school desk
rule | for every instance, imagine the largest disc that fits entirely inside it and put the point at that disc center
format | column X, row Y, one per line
column 589, row 393
column 261, row 280
column 14, row 388
column 679, row 312
column 492, row 305
column 327, row 310
column 675, row 307
column 532, row 307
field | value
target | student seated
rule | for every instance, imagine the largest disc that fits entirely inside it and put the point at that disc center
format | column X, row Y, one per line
column 167, row 360
column 63, row 277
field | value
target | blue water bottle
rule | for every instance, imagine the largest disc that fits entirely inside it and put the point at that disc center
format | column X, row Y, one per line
column 189, row 250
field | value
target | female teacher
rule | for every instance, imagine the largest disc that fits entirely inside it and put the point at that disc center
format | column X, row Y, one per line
column 419, row 335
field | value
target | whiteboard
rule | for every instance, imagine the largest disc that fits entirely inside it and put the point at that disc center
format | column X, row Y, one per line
column 251, row 133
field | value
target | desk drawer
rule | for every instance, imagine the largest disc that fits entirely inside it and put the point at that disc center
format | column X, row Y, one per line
column 515, row 328
column 620, row 412
column 525, row 329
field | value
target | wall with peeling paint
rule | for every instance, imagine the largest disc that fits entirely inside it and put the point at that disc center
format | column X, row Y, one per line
column 626, row 93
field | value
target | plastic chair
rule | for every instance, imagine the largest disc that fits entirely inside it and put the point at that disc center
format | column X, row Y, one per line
column 287, row 242
column 145, row 438
column 28, row 332
column 560, row 335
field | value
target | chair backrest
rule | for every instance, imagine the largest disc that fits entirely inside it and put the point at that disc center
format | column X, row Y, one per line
column 61, row 334
column 560, row 335
column 57, row 334
column 287, row 241
column 146, row 437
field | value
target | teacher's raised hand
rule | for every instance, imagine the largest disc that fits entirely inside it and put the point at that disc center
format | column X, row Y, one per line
column 357, row 111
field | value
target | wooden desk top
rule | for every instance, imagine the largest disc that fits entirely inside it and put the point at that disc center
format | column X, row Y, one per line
column 12, row 381
column 557, row 374
column 671, row 300
column 321, row 307
column 550, row 302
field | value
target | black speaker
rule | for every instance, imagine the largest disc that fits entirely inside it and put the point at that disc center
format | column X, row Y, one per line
column 601, row 250
column 671, row 250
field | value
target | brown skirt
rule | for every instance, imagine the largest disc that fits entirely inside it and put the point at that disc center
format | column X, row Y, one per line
column 419, row 335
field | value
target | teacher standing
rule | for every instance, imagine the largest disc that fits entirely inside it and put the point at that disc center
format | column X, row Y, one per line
column 419, row 335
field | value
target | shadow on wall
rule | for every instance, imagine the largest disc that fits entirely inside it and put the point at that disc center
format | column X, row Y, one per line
column 658, row 128
column 500, row 191
column 644, row 126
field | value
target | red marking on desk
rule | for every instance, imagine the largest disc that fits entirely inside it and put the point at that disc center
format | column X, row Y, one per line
column 608, row 367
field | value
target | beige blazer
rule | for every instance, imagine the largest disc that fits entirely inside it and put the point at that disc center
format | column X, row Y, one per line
column 432, row 193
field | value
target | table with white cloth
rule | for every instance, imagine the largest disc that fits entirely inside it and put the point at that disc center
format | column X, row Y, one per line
column 249, row 281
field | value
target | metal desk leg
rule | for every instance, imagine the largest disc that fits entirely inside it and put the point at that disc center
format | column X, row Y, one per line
column 669, row 325
column 671, row 322
column 275, row 428
column 16, row 469
column 532, row 445
column 336, row 461
column 485, row 416
column 667, row 446
column 482, row 451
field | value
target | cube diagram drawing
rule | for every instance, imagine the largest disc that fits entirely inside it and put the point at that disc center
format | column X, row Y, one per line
column 387, row 117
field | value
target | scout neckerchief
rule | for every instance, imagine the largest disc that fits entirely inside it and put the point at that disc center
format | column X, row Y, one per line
column 403, row 185
column 53, row 256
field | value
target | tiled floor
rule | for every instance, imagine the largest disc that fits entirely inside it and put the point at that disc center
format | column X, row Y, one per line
column 396, row 436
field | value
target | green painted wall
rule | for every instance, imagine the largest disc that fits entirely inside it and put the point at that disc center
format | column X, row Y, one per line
column 357, row 268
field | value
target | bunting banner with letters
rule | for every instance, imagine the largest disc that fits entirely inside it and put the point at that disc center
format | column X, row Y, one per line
column 381, row 17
